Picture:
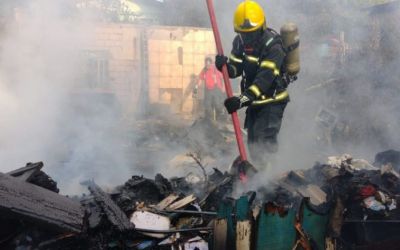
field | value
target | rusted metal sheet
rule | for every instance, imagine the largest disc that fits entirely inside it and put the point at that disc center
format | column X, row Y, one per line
column 25, row 201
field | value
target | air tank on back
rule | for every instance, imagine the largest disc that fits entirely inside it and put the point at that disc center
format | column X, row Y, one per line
column 291, row 41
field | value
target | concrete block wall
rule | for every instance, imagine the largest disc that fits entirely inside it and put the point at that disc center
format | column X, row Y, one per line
column 174, row 54
column 120, row 43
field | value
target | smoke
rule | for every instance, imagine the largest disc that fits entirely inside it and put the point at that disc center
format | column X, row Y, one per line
column 358, row 99
column 45, row 115
column 361, row 99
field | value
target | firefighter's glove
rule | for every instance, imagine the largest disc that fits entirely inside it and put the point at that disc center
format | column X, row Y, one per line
column 232, row 104
column 220, row 61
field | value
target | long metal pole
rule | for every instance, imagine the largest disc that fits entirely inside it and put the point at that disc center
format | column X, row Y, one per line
column 228, row 88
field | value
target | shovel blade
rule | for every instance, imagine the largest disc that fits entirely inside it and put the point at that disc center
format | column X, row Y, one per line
column 242, row 169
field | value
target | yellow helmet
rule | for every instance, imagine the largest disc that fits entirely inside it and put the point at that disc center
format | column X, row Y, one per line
column 249, row 16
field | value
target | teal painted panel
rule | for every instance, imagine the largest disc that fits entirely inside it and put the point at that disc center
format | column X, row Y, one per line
column 275, row 232
column 315, row 226
column 225, row 211
column 242, row 208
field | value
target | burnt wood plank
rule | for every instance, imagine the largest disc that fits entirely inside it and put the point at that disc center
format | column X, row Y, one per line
column 25, row 173
column 25, row 201
column 114, row 214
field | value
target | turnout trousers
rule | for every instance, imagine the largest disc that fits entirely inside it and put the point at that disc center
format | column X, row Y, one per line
column 263, row 124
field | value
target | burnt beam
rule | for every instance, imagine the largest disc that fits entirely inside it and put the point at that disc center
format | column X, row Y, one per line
column 114, row 214
column 26, row 173
column 24, row 201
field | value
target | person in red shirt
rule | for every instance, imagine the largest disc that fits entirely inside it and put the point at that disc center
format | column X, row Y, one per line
column 213, row 89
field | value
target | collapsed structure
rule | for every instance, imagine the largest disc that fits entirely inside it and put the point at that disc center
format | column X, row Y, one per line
column 342, row 204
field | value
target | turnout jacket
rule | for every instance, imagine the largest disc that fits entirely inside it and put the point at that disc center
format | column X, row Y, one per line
column 260, row 65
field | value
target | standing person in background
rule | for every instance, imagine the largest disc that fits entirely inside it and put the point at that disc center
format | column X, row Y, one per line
column 195, row 94
column 213, row 90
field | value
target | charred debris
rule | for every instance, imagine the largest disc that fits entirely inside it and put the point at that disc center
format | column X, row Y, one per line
column 344, row 203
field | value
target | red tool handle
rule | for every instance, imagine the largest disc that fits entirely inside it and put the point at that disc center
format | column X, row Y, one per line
column 228, row 88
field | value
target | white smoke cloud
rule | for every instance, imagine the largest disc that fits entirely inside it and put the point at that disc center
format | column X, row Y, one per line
column 44, row 115
column 42, row 118
column 370, row 108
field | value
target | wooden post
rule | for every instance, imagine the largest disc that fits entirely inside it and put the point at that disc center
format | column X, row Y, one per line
column 224, row 237
column 243, row 225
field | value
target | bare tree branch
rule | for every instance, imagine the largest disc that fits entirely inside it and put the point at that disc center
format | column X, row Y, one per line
column 197, row 159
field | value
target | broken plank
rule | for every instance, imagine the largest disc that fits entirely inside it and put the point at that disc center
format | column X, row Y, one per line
column 182, row 202
column 114, row 214
column 316, row 195
column 166, row 202
column 243, row 235
column 243, row 225
column 25, row 173
column 25, row 201
column 220, row 234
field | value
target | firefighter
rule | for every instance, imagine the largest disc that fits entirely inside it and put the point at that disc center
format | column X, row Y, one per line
column 257, row 56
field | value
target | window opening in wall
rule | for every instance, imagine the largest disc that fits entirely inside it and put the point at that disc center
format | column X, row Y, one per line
column 97, row 70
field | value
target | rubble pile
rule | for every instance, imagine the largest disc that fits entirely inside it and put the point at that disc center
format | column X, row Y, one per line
column 359, row 198
column 344, row 203
column 141, row 214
